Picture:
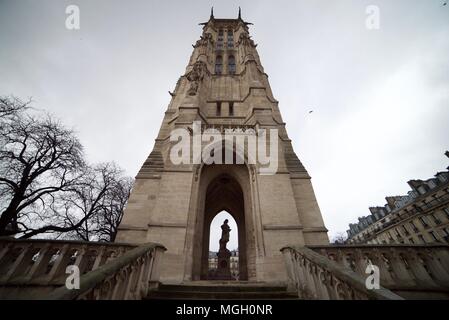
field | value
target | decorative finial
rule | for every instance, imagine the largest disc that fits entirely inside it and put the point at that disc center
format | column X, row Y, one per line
column 212, row 13
column 240, row 14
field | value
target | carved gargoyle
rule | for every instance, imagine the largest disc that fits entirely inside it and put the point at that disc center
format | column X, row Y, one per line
column 195, row 76
column 246, row 40
column 204, row 40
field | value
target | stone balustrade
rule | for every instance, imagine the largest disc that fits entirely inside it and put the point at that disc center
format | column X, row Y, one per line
column 411, row 271
column 314, row 276
column 33, row 269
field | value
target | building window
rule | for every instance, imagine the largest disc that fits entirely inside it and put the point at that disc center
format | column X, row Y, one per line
column 231, row 64
column 411, row 240
column 445, row 233
column 218, row 108
column 218, row 64
column 414, row 228
column 231, row 108
column 405, row 230
column 435, row 219
column 230, row 39
column 423, row 222
column 220, row 39
column 433, row 236
column 446, row 211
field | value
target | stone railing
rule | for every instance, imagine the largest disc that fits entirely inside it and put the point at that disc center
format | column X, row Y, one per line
column 314, row 276
column 411, row 271
column 33, row 269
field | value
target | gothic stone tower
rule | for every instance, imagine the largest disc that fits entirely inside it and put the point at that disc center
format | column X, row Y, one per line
column 224, row 85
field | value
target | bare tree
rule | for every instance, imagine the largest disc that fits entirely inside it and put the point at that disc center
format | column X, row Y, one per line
column 38, row 159
column 46, row 187
column 11, row 106
column 108, row 195
column 339, row 238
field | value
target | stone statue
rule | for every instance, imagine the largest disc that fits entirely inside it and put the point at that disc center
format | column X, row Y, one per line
column 225, row 229
column 195, row 76
column 223, row 269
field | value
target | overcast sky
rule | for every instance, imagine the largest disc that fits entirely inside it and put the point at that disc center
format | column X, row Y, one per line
column 380, row 98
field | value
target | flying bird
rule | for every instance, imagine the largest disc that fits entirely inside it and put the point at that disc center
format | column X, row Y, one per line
column 445, row 3
column 310, row 111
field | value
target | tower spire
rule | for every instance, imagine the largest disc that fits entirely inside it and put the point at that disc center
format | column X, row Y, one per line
column 212, row 13
column 240, row 14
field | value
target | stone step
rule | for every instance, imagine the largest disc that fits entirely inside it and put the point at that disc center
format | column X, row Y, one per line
column 203, row 295
column 229, row 290
column 224, row 287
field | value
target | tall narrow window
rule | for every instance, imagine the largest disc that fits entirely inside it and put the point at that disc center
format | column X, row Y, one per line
column 231, row 108
column 218, row 108
column 230, row 39
column 231, row 64
column 434, row 237
column 218, row 65
column 423, row 222
column 220, row 39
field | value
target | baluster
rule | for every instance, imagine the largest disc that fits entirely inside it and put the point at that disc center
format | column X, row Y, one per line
column 440, row 275
column 142, row 286
column 300, row 271
column 359, row 262
column 82, row 259
column 37, row 266
column 322, row 283
column 401, row 274
column 288, row 259
column 155, row 267
column 21, row 262
column 120, row 279
column 310, row 284
column 422, row 277
column 330, row 286
column 99, row 260
column 384, row 269
column 4, row 252
column 60, row 264
column 130, row 290
column 443, row 255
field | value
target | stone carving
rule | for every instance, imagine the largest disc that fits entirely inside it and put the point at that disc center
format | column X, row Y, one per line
column 204, row 40
column 225, row 229
column 246, row 40
column 195, row 76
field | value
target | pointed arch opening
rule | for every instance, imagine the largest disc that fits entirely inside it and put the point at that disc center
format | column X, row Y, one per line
column 223, row 188
column 215, row 233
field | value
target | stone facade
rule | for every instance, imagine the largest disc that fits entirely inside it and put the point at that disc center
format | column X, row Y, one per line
column 420, row 217
column 224, row 85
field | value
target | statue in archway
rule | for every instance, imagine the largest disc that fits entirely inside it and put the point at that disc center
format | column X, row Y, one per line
column 223, row 268
column 225, row 229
